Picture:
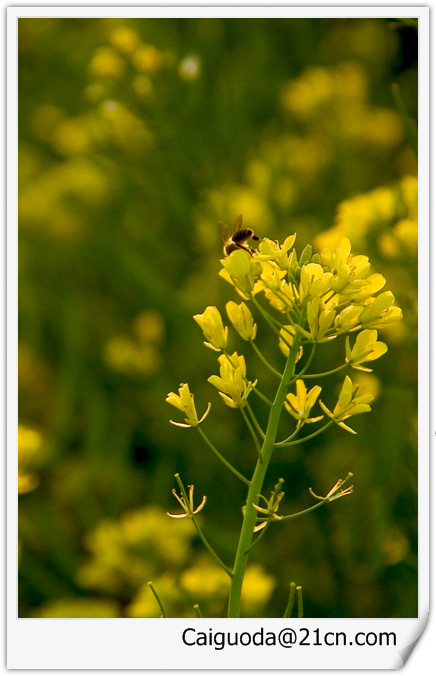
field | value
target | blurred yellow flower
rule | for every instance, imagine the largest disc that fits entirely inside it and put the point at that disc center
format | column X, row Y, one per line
column 147, row 59
column 368, row 383
column 106, row 63
column 144, row 603
column 205, row 581
column 29, row 445
column 257, row 588
column 124, row 39
column 79, row 608
column 149, row 326
column 71, row 137
column 132, row 357
column 125, row 553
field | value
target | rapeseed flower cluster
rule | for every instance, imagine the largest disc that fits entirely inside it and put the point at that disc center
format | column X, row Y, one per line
column 320, row 296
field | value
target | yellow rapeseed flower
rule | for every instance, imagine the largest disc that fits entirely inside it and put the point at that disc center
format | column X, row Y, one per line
column 300, row 404
column 184, row 401
column 380, row 311
column 349, row 403
column 231, row 383
column 242, row 320
column 366, row 348
column 320, row 317
column 212, row 326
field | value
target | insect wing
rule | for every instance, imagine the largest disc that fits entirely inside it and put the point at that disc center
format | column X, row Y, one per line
column 237, row 224
column 224, row 231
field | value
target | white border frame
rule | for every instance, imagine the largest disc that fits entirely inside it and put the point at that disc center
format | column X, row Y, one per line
column 153, row 644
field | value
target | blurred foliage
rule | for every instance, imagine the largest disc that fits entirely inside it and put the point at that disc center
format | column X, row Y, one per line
column 135, row 137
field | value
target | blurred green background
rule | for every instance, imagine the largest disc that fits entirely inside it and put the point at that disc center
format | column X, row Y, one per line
column 135, row 137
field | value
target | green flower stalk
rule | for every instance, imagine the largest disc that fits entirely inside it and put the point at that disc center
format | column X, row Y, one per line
column 304, row 300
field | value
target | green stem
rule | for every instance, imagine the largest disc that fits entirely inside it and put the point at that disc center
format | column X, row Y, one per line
column 223, row 460
column 162, row 609
column 306, row 366
column 252, row 432
column 327, row 373
column 210, row 549
column 300, row 601
column 287, row 442
column 262, row 533
column 197, row 610
column 255, row 489
column 262, row 396
column 290, row 605
column 254, row 419
column 272, row 321
column 263, row 360
column 305, row 511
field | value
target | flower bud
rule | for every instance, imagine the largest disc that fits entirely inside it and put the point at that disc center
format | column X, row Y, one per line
column 242, row 320
column 211, row 324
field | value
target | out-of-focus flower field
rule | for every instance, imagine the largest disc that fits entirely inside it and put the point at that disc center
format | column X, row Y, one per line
column 135, row 138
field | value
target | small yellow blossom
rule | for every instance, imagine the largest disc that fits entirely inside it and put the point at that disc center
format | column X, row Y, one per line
column 212, row 326
column 184, row 401
column 314, row 281
column 300, row 404
column 366, row 348
column 320, row 317
column 242, row 320
column 348, row 319
column 349, row 403
column 243, row 270
column 272, row 276
column 374, row 284
column 345, row 281
column 231, row 383
column 334, row 258
column 380, row 311
column 282, row 299
column 273, row 251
